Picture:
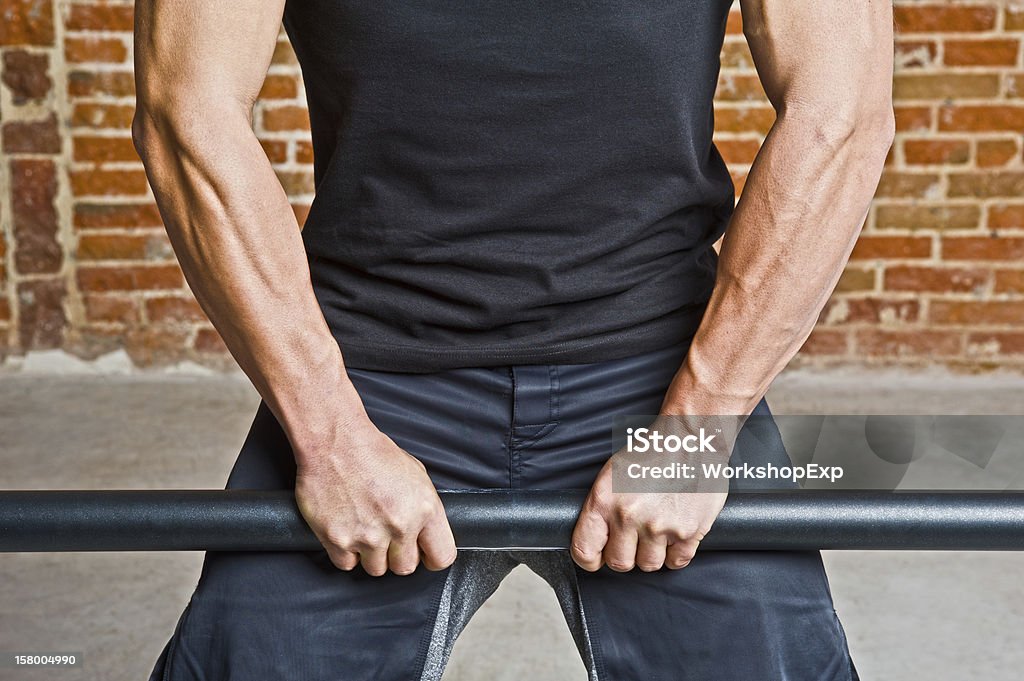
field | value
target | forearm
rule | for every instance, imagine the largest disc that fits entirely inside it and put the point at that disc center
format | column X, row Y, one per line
column 802, row 208
column 240, row 248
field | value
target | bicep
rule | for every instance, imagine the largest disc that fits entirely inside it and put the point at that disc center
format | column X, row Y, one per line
column 201, row 50
column 823, row 54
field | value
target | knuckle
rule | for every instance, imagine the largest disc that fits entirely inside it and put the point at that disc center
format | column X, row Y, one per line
column 678, row 563
column 337, row 537
column 582, row 551
column 374, row 570
column 620, row 565
column 624, row 515
column 654, row 527
column 649, row 566
column 342, row 562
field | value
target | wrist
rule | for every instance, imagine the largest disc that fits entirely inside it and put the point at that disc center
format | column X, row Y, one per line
column 690, row 394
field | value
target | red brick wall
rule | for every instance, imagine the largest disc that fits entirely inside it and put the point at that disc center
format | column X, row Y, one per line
column 937, row 277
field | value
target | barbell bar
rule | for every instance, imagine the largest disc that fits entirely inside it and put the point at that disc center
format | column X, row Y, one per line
column 269, row 520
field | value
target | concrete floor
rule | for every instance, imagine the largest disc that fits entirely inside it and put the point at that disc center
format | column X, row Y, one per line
column 909, row 616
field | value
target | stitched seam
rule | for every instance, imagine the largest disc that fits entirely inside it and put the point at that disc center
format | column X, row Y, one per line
column 513, row 454
column 428, row 632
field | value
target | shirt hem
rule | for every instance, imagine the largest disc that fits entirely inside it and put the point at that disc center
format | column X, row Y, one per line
column 384, row 356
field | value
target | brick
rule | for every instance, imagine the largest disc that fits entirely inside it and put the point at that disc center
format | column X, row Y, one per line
column 757, row 119
column 901, row 343
column 99, row 215
column 32, row 137
column 111, row 308
column 5, row 310
column 923, row 216
column 33, row 185
column 89, row 115
column 937, row 86
column 103, row 83
column 129, row 278
column 736, row 55
column 155, row 346
column 296, row 182
column 174, row 309
column 855, row 279
column 41, row 317
column 739, row 180
column 871, row 247
column 103, row 17
column 912, row 118
column 26, row 22
column 941, row 18
column 208, row 340
column 1006, row 216
column 278, row 86
column 301, row 211
column 914, row 53
column 995, row 153
column 936, row 151
column 281, row 118
column 826, row 342
column 992, row 52
column 851, row 310
column 894, row 184
column 276, row 150
column 982, row 248
column 103, row 50
column 283, row 53
column 995, row 343
column 890, row 156
column 304, row 152
column 935, row 279
column 967, row 312
column 103, row 149
column 982, row 118
column 116, row 246
column 1015, row 85
column 734, row 23
column 737, row 151
column 1014, row 19
column 25, row 74
column 1009, row 281
column 985, row 185
column 108, row 182
column 739, row 88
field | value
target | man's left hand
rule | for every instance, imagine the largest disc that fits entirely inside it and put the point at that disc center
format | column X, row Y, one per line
column 646, row 530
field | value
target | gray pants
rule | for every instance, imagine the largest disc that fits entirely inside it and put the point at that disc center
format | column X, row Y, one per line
column 729, row 615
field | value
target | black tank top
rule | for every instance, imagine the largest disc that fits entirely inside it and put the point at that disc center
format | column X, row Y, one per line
column 517, row 182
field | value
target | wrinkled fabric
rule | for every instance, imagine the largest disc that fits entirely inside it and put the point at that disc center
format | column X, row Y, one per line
column 741, row 616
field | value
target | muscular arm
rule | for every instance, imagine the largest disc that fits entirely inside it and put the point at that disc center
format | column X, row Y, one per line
column 199, row 67
column 827, row 69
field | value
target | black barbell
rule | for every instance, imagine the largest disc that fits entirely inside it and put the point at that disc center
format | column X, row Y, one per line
column 269, row 520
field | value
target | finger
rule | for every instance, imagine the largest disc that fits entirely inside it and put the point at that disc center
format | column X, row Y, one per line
column 437, row 544
column 374, row 560
column 403, row 555
column 650, row 553
column 588, row 540
column 679, row 554
column 620, row 552
column 343, row 560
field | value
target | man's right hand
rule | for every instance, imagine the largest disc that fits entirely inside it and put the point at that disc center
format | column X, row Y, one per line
column 368, row 501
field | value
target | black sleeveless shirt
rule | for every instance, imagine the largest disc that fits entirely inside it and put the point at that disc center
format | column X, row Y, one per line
column 517, row 182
